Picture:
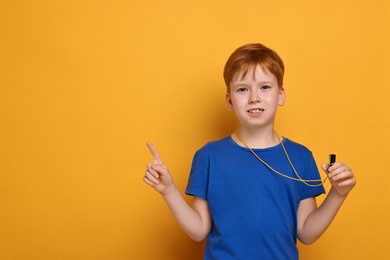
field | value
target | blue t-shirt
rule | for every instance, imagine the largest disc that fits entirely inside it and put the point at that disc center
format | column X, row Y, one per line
column 254, row 210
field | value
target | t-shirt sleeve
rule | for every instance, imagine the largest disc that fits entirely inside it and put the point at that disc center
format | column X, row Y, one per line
column 198, row 179
column 311, row 173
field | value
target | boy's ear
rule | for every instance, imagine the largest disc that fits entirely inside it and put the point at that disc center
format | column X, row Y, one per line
column 282, row 97
column 229, row 102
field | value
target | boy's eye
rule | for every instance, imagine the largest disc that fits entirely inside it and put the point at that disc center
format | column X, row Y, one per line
column 265, row 87
column 241, row 89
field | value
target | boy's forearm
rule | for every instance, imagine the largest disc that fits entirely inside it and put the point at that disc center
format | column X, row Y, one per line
column 186, row 216
column 320, row 219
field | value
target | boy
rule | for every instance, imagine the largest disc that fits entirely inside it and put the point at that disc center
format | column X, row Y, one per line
column 253, row 192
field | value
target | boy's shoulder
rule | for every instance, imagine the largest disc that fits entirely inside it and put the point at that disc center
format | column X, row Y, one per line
column 217, row 144
column 294, row 144
column 213, row 148
column 297, row 149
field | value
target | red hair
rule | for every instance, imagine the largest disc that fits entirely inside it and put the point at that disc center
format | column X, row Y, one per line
column 247, row 57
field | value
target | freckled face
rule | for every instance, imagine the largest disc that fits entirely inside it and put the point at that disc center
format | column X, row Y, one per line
column 255, row 98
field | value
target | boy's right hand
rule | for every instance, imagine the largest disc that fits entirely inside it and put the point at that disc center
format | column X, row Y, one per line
column 157, row 174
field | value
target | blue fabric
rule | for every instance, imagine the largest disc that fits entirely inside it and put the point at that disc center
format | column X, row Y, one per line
column 253, row 209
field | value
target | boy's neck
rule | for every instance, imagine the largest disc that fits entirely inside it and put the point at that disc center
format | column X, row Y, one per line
column 256, row 138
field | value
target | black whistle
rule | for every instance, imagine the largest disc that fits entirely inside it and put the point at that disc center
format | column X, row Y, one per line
column 332, row 160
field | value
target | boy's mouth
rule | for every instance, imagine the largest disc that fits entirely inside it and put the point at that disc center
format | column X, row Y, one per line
column 255, row 110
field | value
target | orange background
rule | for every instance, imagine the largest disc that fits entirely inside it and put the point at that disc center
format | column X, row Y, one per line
column 84, row 84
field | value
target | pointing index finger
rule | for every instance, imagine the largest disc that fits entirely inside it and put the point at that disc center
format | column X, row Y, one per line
column 154, row 152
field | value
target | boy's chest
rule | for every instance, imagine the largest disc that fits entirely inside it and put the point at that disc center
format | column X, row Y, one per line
column 250, row 191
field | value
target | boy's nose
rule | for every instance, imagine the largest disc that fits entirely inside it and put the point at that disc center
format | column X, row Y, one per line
column 254, row 98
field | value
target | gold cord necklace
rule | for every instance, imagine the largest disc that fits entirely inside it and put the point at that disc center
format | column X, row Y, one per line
column 289, row 160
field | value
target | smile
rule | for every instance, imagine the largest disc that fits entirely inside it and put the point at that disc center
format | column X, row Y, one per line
column 256, row 110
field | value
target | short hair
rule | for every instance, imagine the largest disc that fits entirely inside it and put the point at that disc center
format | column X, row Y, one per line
column 247, row 57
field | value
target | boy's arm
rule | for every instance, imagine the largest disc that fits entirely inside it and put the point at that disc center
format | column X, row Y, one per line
column 313, row 221
column 195, row 220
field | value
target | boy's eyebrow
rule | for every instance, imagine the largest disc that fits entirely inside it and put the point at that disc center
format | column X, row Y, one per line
column 239, row 84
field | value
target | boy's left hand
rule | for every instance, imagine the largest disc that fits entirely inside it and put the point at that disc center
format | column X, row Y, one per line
column 341, row 177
